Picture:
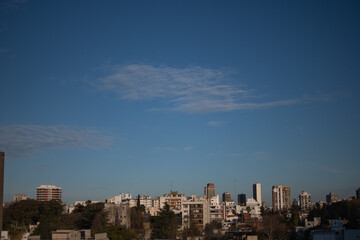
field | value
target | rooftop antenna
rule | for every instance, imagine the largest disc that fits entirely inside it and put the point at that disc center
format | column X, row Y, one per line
column 235, row 190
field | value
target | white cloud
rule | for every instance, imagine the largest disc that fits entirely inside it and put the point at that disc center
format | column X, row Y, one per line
column 215, row 123
column 186, row 149
column 24, row 140
column 190, row 90
column 170, row 149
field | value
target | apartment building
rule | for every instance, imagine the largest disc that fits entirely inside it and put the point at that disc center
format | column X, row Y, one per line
column 305, row 201
column 257, row 192
column 48, row 192
column 195, row 212
column 281, row 197
column 209, row 191
column 174, row 200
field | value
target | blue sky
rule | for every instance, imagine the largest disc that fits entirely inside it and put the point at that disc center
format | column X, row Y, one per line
column 148, row 96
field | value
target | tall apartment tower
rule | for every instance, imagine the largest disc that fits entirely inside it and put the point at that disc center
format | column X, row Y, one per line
column 226, row 197
column 209, row 191
column 48, row 192
column 305, row 201
column 331, row 197
column 242, row 199
column 257, row 192
column 2, row 160
column 358, row 193
column 281, row 197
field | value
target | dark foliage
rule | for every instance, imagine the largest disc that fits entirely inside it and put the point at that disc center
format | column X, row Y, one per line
column 349, row 210
column 51, row 217
column 165, row 225
column 30, row 212
column 119, row 233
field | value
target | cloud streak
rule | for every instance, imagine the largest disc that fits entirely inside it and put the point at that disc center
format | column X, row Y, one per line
column 189, row 90
column 25, row 140
column 215, row 123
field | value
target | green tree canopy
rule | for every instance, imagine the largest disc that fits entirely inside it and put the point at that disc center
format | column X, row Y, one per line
column 165, row 225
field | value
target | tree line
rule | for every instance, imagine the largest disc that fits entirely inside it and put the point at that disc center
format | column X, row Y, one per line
column 51, row 217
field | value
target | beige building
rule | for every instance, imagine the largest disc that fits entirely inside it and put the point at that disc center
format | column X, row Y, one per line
column 281, row 198
column 20, row 197
column 66, row 235
column 174, row 200
column 226, row 197
column 195, row 212
column 305, row 201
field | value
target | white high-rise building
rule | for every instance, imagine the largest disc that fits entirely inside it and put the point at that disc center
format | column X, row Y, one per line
column 257, row 192
column 281, row 197
column 48, row 192
column 305, row 201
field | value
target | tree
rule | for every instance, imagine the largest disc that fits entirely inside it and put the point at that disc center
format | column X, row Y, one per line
column 30, row 212
column 295, row 215
column 137, row 217
column 273, row 228
column 210, row 228
column 349, row 210
column 88, row 214
column 16, row 231
column 119, row 233
column 99, row 222
column 192, row 231
column 165, row 225
column 248, row 209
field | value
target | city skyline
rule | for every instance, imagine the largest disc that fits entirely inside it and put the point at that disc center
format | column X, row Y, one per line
column 146, row 97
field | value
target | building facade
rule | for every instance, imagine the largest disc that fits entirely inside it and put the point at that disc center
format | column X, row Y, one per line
column 281, row 198
column 174, row 200
column 48, row 192
column 20, row 197
column 331, row 197
column 242, row 199
column 305, row 201
column 209, row 191
column 358, row 193
column 226, row 197
column 195, row 212
column 257, row 192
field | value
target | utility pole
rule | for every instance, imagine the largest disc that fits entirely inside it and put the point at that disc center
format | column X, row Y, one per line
column 2, row 159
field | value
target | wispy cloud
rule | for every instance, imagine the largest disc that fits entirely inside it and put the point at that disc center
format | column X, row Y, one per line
column 173, row 149
column 168, row 149
column 190, row 90
column 25, row 140
column 261, row 156
column 330, row 170
column 215, row 123
column 188, row 148
column 236, row 154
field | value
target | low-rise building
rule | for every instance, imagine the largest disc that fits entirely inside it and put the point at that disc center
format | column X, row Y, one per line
column 20, row 197
column 65, row 235
column 174, row 200
column 254, row 207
